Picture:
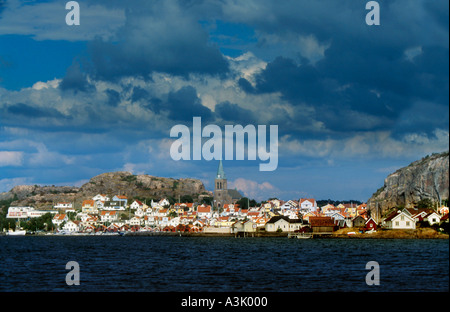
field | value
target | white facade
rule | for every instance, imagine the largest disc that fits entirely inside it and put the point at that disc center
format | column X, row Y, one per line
column 71, row 226
column 100, row 197
column 108, row 216
column 433, row 218
column 401, row 221
column 25, row 212
column 63, row 205
column 136, row 205
column 308, row 204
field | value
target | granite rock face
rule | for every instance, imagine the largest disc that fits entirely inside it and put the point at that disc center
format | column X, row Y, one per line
column 111, row 183
column 427, row 178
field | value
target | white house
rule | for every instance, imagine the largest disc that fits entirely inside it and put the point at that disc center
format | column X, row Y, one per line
column 121, row 198
column 282, row 223
column 291, row 214
column 139, row 213
column 99, row 204
column 174, row 221
column 101, row 197
column 115, row 205
column 59, row 218
column 163, row 202
column 308, row 204
column 108, row 216
column 433, row 218
column 88, row 206
column 204, row 211
column 64, row 205
column 71, row 226
column 400, row 220
column 137, row 205
column 135, row 221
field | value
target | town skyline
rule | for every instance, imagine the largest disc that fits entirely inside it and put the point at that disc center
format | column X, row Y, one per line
column 352, row 101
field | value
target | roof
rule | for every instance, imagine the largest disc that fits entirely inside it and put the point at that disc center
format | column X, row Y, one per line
column 321, row 221
column 311, row 200
column 59, row 216
column 204, row 208
column 88, row 202
column 277, row 218
column 391, row 216
column 394, row 214
column 110, row 212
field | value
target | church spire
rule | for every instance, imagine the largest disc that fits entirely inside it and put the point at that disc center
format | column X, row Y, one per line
column 220, row 172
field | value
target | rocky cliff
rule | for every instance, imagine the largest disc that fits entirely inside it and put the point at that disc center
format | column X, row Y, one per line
column 112, row 183
column 427, row 178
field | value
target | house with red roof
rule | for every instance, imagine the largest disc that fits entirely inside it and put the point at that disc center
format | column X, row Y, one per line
column 400, row 220
column 204, row 211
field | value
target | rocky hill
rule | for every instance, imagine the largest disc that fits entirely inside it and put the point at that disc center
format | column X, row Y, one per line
column 112, row 183
column 427, row 178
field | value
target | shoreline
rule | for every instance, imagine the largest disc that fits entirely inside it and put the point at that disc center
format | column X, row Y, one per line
column 422, row 233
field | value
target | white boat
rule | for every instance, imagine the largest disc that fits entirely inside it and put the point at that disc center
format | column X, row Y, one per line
column 300, row 235
column 16, row 232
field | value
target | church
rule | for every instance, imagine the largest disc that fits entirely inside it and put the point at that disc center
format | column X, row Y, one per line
column 223, row 195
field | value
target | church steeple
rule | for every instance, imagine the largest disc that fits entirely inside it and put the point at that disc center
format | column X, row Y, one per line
column 220, row 172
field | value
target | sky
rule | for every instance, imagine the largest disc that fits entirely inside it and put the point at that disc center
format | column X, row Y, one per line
column 352, row 102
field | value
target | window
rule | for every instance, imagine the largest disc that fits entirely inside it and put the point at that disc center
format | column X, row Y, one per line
column 402, row 218
column 407, row 223
column 397, row 223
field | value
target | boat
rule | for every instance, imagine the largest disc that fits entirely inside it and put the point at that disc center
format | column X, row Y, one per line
column 300, row 235
column 16, row 232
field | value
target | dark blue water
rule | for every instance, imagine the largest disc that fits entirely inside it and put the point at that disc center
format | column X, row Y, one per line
column 180, row 264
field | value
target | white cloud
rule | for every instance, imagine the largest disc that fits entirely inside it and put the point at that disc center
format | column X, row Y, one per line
column 253, row 189
column 8, row 158
column 45, row 85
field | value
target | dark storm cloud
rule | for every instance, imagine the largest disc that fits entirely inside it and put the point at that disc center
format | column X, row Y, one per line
column 185, row 104
column 233, row 112
column 139, row 93
column 365, row 72
column 33, row 112
column 157, row 39
column 76, row 80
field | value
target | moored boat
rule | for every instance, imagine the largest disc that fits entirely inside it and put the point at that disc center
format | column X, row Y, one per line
column 16, row 232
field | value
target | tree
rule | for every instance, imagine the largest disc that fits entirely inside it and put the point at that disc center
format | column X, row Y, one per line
column 207, row 200
column 186, row 199
column 425, row 203
column 244, row 203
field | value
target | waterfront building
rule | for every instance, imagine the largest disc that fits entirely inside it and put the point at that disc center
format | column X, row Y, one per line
column 400, row 220
column 59, row 218
column 284, row 224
